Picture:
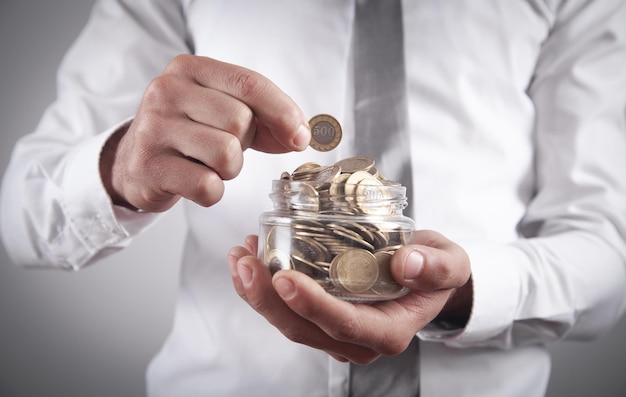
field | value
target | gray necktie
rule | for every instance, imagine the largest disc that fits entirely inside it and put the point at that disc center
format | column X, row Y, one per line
column 381, row 133
column 380, row 108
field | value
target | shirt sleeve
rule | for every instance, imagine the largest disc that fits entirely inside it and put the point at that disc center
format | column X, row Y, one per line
column 566, row 275
column 54, row 210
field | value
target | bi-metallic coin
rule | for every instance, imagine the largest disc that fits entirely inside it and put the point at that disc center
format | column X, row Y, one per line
column 325, row 132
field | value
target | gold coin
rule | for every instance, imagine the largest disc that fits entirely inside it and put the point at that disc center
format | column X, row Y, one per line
column 356, row 227
column 355, row 270
column 385, row 284
column 381, row 237
column 306, row 174
column 310, row 223
column 344, row 256
column 337, row 185
column 270, row 238
column 352, row 182
column 351, row 238
column 325, row 132
column 306, row 166
column 372, row 198
column 356, row 163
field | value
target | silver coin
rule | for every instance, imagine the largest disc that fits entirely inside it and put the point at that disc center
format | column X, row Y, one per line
column 278, row 260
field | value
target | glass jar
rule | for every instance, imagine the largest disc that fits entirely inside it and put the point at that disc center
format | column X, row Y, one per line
column 340, row 231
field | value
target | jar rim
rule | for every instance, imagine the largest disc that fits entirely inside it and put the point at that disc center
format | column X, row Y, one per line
column 369, row 197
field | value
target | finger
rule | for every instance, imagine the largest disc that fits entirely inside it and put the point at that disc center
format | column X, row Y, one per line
column 338, row 357
column 177, row 96
column 234, row 254
column 259, row 293
column 179, row 176
column 358, row 324
column 362, row 356
column 251, row 242
column 276, row 110
column 431, row 238
column 426, row 268
column 264, row 139
column 153, row 180
column 157, row 131
column 214, row 108
column 218, row 150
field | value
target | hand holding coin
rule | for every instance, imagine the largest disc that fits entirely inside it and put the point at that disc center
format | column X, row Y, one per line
column 190, row 131
column 436, row 269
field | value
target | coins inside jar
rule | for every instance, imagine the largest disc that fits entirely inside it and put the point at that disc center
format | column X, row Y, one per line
column 341, row 229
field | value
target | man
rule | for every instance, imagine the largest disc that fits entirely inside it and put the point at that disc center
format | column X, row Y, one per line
column 516, row 114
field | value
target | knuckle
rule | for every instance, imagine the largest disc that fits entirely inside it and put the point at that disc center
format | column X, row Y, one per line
column 392, row 347
column 289, row 117
column 247, row 84
column 208, row 190
column 147, row 151
column 255, row 302
column 464, row 265
column 241, row 122
column 179, row 64
column 147, row 131
column 161, row 91
column 365, row 358
column 427, row 237
column 445, row 273
column 242, row 294
column 151, row 201
column 239, row 289
column 294, row 335
column 437, row 275
column 229, row 156
column 345, row 330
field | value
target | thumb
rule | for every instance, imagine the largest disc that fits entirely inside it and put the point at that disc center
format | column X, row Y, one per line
column 427, row 268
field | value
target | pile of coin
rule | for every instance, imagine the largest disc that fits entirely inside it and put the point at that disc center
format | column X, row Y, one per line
column 350, row 186
column 340, row 232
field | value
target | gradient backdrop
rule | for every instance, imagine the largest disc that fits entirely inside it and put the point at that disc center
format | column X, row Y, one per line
column 93, row 332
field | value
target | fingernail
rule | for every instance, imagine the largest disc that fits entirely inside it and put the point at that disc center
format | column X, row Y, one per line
column 285, row 288
column 245, row 274
column 413, row 265
column 302, row 138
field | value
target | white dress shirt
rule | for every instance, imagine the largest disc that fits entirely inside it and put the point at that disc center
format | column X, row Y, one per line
column 518, row 154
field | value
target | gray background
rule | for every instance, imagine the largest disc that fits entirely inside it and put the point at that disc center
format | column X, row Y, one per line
column 92, row 333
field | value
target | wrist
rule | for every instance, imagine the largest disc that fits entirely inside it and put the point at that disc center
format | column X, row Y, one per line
column 108, row 157
column 456, row 312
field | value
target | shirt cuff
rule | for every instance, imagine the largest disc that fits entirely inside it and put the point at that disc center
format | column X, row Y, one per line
column 497, row 290
column 94, row 219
